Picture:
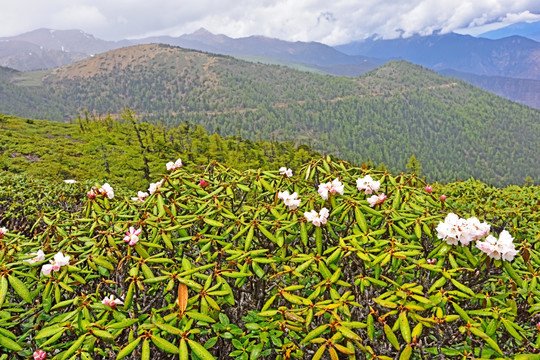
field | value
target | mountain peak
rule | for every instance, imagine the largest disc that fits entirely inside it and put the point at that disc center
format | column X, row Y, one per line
column 202, row 32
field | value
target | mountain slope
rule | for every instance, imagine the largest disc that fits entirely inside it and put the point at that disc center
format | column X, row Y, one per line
column 514, row 56
column 523, row 91
column 455, row 130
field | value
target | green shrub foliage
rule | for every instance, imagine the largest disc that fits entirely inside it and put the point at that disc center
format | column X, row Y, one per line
column 229, row 271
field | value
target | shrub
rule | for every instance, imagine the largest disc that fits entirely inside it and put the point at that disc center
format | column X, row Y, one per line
column 229, row 270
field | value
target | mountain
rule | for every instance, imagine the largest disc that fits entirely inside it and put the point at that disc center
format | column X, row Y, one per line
column 513, row 56
column 397, row 110
column 523, row 91
column 321, row 56
column 46, row 48
column 529, row 30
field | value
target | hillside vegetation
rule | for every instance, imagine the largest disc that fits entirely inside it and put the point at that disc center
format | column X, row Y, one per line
column 455, row 131
column 231, row 270
column 110, row 150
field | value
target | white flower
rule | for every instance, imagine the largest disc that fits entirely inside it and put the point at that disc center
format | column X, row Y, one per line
column 503, row 248
column 154, row 186
column 331, row 187
column 285, row 171
column 111, row 301
column 132, row 236
column 106, row 190
column 56, row 263
column 292, row 200
column 317, row 219
column 171, row 166
column 140, row 197
column 456, row 230
column 368, row 185
column 70, row 181
column 376, row 199
column 39, row 256
column 3, row 231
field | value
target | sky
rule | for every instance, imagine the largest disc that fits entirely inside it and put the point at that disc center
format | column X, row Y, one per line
column 332, row 22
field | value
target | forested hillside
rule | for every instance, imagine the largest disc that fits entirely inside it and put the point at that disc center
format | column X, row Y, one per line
column 126, row 152
column 455, row 130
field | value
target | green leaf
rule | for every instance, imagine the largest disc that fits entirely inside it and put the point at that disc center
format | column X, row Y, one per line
column 9, row 343
column 199, row 350
column 20, row 288
column 128, row 349
column 200, row 317
column 164, row 345
column 391, row 336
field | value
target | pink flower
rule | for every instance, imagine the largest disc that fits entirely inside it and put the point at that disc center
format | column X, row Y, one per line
column 40, row 256
column 429, row 189
column 55, row 264
column 106, row 190
column 285, row 171
column 171, row 166
column 155, row 186
column 39, row 355
column 376, row 199
column 368, row 185
column 132, row 236
column 503, row 248
column 317, row 219
column 292, row 200
column 3, row 231
column 91, row 194
column 140, row 197
column 203, row 183
column 443, row 198
column 330, row 187
column 431, row 261
column 112, row 302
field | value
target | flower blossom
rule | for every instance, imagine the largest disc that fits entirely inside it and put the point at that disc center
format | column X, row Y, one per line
column 376, row 199
column 330, row 187
column 285, row 171
column 39, row 355
column 106, row 190
column 91, row 194
column 171, row 166
column 317, row 219
column 429, row 189
column 70, row 181
column 3, row 231
column 368, row 185
column 40, row 256
column 203, row 183
column 112, row 301
column 442, row 198
column 154, row 186
column 503, row 248
column 140, row 197
column 292, row 200
column 455, row 230
column 56, row 263
column 132, row 236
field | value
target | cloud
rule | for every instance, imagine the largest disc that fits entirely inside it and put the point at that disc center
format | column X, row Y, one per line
column 331, row 22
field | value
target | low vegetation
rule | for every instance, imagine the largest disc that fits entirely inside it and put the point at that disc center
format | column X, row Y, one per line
column 221, row 263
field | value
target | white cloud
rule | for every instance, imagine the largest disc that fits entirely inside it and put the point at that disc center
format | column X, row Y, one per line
column 331, row 22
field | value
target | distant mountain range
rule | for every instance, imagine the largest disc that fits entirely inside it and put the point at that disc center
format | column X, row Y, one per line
column 530, row 30
column 455, row 130
column 512, row 57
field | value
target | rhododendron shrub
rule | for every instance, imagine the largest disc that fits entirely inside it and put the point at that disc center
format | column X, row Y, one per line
column 230, row 271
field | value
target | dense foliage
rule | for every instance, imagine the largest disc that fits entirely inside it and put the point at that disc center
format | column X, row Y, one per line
column 455, row 130
column 126, row 152
column 225, row 269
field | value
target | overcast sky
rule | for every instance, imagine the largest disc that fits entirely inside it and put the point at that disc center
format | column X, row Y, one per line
column 329, row 21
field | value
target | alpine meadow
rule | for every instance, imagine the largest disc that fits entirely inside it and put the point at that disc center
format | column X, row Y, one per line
column 162, row 203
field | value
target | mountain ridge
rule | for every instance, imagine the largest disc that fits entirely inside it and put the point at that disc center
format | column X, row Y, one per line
column 384, row 116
